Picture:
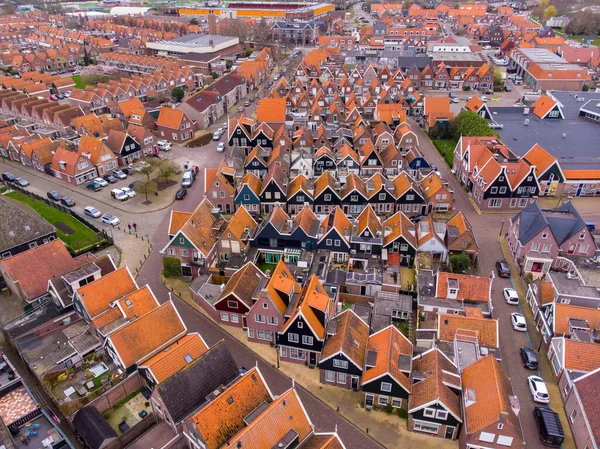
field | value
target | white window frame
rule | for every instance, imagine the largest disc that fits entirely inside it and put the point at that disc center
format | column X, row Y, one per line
column 293, row 338
column 329, row 376
column 224, row 316
column 381, row 398
column 429, row 412
column 307, row 340
column 386, row 386
column 341, row 378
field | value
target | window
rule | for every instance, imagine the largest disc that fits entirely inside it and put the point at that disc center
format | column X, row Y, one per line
column 328, row 242
column 535, row 247
column 306, row 340
column 429, row 413
column 232, row 304
column 337, row 242
column 573, row 415
column 300, row 325
column 329, row 376
column 264, row 335
column 382, row 197
column 174, row 136
column 546, row 248
column 404, row 247
column 341, row 378
column 259, row 318
column 272, row 320
column 327, row 197
column 235, row 318
column 502, row 190
column 33, row 245
column 297, row 354
column 250, row 333
column 283, row 352
column 342, row 364
column 494, row 190
column 427, row 427
column 353, row 197
column 495, row 202
column 396, row 403
column 293, row 338
column 224, row 316
column 410, row 197
column 171, row 252
column 583, row 248
column 544, row 236
column 183, row 252
column 383, row 400
column 441, row 414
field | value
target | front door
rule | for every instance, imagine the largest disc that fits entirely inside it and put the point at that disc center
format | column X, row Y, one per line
column 312, row 358
column 227, row 208
column 355, row 383
column 186, row 271
column 369, row 400
column 449, row 435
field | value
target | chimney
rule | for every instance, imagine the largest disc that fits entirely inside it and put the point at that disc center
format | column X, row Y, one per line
column 212, row 24
column 211, row 43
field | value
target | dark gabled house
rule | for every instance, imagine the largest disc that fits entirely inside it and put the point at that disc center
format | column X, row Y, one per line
column 409, row 198
column 274, row 189
column 323, row 161
column 124, row 146
column 354, row 195
column 278, row 232
column 334, row 235
column 381, row 194
column 93, row 428
column 299, row 194
column 399, row 240
column 248, row 195
column 367, row 234
column 434, row 404
column 547, row 170
column 415, row 161
column 388, row 365
column 302, row 337
column 370, row 162
column 185, row 391
column 240, row 132
column 255, row 163
column 343, row 358
column 263, row 137
column 325, row 196
column 21, row 229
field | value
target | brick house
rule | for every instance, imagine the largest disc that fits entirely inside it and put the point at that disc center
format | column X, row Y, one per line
column 236, row 236
column 175, row 125
column 98, row 153
column 536, row 237
column 72, row 167
column 219, row 190
column 145, row 138
column 583, row 409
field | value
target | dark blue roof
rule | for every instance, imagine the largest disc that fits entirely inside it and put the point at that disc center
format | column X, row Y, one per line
column 564, row 222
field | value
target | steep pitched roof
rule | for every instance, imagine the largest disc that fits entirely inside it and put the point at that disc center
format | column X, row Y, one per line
column 271, row 110
column 473, row 324
column 350, row 339
column 390, row 346
column 580, row 355
column 398, row 225
column 243, row 284
column 587, row 391
column 97, row 296
column 540, row 158
column 170, row 118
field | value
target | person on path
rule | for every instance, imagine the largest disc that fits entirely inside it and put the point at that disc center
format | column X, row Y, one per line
column 129, row 226
column 135, row 227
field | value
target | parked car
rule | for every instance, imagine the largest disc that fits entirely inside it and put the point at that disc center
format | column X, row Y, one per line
column 220, row 147
column 247, row 103
column 53, row 195
column 454, row 99
column 503, row 268
column 181, row 193
column 110, row 220
column 94, row 186
column 119, row 174
column 529, row 358
column 241, row 109
column 21, row 181
column 129, row 192
column 216, row 135
column 507, row 88
column 110, row 178
column 60, row 96
column 133, row 184
column 538, row 389
column 67, row 94
column 549, row 426
column 518, row 322
column 91, row 212
column 66, row 201
column 163, row 145
column 101, row 181
column 484, row 98
column 118, row 194
column 188, row 179
column 511, row 296
column 8, row 176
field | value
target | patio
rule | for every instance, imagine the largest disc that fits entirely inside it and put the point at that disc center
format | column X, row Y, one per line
column 127, row 413
column 72, row 385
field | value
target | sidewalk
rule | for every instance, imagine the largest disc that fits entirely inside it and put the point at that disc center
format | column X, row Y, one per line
column 128, row 250
column 388, row 429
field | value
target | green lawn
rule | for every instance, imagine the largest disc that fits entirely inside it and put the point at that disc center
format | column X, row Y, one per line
column 82, row 237
column 263, row 266
column 583, row 39
column 446, row 149
column 79, row 83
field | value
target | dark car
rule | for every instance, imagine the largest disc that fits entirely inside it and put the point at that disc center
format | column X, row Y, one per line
column 66, row 201
column 181, row 193
column 8, row 176
column 529, row 358
column 110, row 178
column 133, row 184
column 125, row 170
column 417, row 218
column 54, row 195
column 507, row 88
column 94, row 186
column 503, row 268
column 549, row 426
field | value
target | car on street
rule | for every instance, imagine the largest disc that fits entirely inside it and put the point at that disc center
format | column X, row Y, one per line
column 181, row 193
column 101, row 181
column 110, row 220
column 225, row 125
column 21, row 181
column 484, row 98
column 53, row 195
column 549, row 426
column 518, row 322
column 66, row 201
column 511, row 296
column 538, row 389
column 220, row 147
column 8, row 176
column 61, row 96
column 129, row 192
column 276, row 77
column 119, row 174
column 94, row 186
column 216, row 135
column 529, row 358
column 241, row 109
column 503, row 268
column 110, row 178
column 163, row 145
column 247, row 103
column 454, row 99
column 91, row 211
column 187, row 179
column 507, row 88
column 53, row 97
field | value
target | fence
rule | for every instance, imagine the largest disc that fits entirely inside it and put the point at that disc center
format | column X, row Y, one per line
column 101, row 237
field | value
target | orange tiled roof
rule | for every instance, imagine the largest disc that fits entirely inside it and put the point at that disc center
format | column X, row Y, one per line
column 97, row 296
column 389, row 344
column 169, row 118
column 350, row 339
column 546, row 292
column 543, row 105
column 470, row 288
column 540, row 158
column 581, row 356
column 562, row 313
column 178, row 219
column 485, row 329
column 271, row 110
column 173, row 358
column 474, row 104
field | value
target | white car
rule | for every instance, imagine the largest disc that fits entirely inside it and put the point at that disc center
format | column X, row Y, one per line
column 518, row 322
column 92, row 212
column 511, row 296
column 110, row 220
column 484, row 98
column 220, row 147
column 103, row 182
column 129, row 192
column 163, row 145
column 538, row 389
column 454, row 100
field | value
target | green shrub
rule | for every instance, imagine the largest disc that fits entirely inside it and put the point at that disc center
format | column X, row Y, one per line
column 459, row 263
column 200, row 141
column 402, row 413
column 171, row 267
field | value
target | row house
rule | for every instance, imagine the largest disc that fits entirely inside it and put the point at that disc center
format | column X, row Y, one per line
column 72, row 167
column 174, row 125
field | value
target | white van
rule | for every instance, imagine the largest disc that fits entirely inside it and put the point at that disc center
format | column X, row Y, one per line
column 118, row 194
column 188, row 179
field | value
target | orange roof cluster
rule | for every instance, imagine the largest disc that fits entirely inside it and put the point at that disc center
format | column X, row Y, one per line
column 473, row 324
column 470, row 288
column 389, row 344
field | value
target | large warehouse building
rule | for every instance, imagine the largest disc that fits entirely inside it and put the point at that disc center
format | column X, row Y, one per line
column 194, row 43
column 258, row 10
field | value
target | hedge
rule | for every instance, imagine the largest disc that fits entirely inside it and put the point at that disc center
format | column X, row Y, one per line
column 171, row 267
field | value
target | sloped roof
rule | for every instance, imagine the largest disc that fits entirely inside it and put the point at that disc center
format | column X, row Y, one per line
column 243, row 284
column 97, row 296
column 540, row 158
column 93, row 427
column 564, row 312
column 587, row 390
column 470, row 288
column 271, row 110
column 170, row 118
column 350, row 338
column 390, row 345
column 580, row 355
column 485, row 329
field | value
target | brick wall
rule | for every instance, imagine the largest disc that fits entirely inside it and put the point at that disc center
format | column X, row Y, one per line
column 118, row 392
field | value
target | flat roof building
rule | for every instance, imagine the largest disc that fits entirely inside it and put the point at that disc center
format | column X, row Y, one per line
column 193, row 43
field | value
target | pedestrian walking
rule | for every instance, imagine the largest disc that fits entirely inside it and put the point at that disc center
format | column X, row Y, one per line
column 135, row 227
column 129, row 226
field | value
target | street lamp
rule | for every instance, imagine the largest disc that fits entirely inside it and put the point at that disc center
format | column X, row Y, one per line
column 501, row 227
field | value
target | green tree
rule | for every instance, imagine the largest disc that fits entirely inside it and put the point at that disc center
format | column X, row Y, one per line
column 469, row 124
column 165, row 170
column 543, row 4
column 459, row 263
column 549, row 12
column 228, row 64
column 498, row 76
column 178, row 93
column 145, row 188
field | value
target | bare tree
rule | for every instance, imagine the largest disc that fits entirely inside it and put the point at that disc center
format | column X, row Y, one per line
column 145, row 188
column 148, row 168
column 165, row 170
column 236, row 28
column 262, row 34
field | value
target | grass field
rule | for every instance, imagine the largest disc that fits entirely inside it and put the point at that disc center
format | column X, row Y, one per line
column 446, row 149
column 77, row 235
column 79, row 84
column 583, row 39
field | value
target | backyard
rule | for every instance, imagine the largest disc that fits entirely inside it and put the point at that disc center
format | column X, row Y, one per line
column 71, row 231
column 127, row 412
column 446, row 149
